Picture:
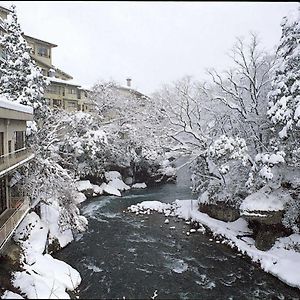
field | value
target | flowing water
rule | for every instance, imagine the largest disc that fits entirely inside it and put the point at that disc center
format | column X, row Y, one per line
column 123, row 255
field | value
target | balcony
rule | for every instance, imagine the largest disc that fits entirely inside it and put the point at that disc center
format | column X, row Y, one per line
column 12, row 160
column 11, row 218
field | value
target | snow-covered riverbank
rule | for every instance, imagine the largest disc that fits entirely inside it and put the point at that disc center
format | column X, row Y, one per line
column 282, row 260
column 43, row 277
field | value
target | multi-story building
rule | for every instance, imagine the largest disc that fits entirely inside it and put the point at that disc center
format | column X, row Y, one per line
column 62, row 92
column 13, row 154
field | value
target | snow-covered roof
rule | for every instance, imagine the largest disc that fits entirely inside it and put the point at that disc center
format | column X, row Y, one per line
column 8, row 104
column 58, row 80
column 39, row 40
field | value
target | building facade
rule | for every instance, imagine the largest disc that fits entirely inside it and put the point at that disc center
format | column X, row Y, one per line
column 62, row 92
column 13, row 154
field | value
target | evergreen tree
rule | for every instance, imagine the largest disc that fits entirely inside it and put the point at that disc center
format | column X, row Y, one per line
column 284, row 97
column 21, row 80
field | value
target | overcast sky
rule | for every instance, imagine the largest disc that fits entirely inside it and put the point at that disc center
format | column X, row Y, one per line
column 151, row 42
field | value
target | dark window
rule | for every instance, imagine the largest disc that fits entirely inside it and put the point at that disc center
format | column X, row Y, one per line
column 1, row 143
column 20, row 140
column 9, row 146
column 43, row 51
column 57, row 103
column 3, row 201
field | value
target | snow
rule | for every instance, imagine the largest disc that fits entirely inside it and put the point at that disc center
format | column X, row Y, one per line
column 11, row 295
column 111, row 175
column 118, row 184
column 8, row 104
column 50, row 216
column 43, row 276
column 80, row 197
column 282, row 260
column 83, row 185
column 110, row 189
column 265, row 201
column 115, row 183
column 139, row 185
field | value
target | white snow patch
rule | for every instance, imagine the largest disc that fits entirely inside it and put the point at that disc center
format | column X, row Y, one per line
column 11, row 295
column 139, row 185
column 265, row 201
column 83, row 185
column 110, row 189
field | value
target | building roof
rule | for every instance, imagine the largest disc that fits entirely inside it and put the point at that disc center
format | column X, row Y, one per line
column 133, row 91
column 38, row 40
column 67, row 82
column 5, row 103
column 6, row 10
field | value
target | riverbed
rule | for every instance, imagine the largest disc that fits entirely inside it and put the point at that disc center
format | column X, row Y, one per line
column 123, row 255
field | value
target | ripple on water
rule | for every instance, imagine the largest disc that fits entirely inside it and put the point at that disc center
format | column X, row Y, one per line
column 175, row 264
column 205, row 283
column 92, row 208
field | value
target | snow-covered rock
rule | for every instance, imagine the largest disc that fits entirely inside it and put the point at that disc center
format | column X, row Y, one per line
column 85, row 187
column 80, row 197
column 111, row 175
column 110, row 189
column 139, row 185
column 118, row 184
column 265, row 200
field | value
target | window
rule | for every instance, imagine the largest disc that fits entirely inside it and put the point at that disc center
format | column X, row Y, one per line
column 3, row 202
column 1, row 143
column 9, row 147
column 53, row 89
column 19, row 140
column 72, row 104
column 72, row 90
column 43, row 51
column 56, row 103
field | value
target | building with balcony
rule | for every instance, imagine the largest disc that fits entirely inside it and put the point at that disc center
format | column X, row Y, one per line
column 62, row 92
column 13, row 154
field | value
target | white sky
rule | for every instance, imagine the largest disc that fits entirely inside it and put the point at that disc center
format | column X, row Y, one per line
column 151, row 42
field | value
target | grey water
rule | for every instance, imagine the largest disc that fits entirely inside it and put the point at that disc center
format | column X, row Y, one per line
column 127, row 256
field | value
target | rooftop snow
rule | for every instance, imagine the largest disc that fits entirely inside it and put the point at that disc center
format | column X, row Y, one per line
column 5, row 103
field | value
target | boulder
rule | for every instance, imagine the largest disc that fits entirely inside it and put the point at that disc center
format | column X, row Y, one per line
column 220, row 211
column 264, row 217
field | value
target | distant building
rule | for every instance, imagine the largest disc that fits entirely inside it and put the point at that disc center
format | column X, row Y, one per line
column 13, row 154
column 128, row 90
column 62, row 92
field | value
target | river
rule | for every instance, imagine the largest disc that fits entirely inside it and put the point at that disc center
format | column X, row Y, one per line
column 123, row 255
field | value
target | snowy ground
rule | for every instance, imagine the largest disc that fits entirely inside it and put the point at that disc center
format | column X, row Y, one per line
column 282, row 260
column 43, row 277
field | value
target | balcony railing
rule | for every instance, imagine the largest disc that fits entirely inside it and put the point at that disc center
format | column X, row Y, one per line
column 10, row 160
column 11, row 218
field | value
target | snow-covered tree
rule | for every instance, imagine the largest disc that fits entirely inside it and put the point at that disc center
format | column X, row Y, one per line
column 20, row 78
column 284, row 97
column 243, row 91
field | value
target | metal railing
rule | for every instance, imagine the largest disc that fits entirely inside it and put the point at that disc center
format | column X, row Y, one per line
column 17, row 214
column 11, row 159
